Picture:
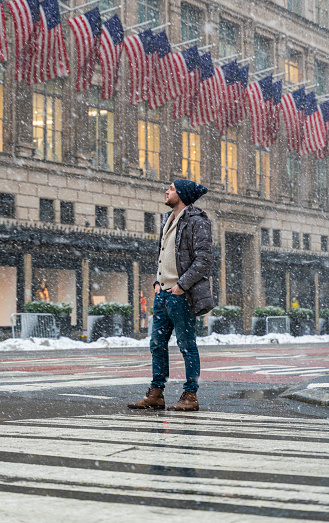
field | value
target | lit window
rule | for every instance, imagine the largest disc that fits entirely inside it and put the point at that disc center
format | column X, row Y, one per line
column 263, row 173
column 228, row 39
column 191, row 161
column 322, row 183
column 2, row 78
column 149, row 141
column 320, row 76
column 262, row 53
column 229, row 162
column 292, row 67
column 295, row 6
column 148, row 10
column 190, row 23
column 321, row 7
column 47, row 120
column 100, row 130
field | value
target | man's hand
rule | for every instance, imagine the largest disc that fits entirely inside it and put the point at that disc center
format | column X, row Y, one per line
column 157, row 288
column 176, row 290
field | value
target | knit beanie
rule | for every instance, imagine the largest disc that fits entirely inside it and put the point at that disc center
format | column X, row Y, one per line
column 189, row 191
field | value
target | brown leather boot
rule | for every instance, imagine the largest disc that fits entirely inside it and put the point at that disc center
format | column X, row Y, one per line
column 187, row 401
column 153, row 399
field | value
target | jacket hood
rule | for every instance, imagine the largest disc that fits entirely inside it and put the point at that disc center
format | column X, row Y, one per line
column 190, row 210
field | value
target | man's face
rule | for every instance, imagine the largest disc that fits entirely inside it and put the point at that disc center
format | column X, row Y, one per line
column 172, row 197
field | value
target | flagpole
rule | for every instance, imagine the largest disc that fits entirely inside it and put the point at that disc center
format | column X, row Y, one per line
column 278, row 74
column 292, row 86
column 311, row 86
column 226, row 58
column 206, row 47
column 79, row 7
column 250, row 59
column 184, row 43
column 111, row 9
column 257, row 73
column 139, row 25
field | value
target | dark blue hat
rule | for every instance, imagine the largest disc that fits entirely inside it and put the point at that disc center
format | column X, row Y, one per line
column 189, row 191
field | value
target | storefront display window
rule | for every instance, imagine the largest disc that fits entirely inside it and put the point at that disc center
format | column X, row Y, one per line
column 108, row 286
column 8, row 286
column 56, row 285
column 146, row 297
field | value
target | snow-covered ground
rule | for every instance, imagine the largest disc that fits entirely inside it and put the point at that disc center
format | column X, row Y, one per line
column 117, row 342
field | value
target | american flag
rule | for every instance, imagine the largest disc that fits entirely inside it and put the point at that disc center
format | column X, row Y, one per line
column 260, row 96
column 142, row 58
column 47, row 56
column 230, row 113
column 3, row 36
column 110, row 54
column 205, row 105
column 277, row 95
column 166, row 83
column 244, row 76
column 87, row 30
column 324, row 111
column 293, row 107
column 190, row 76
column 26, row 18
column 314, row 133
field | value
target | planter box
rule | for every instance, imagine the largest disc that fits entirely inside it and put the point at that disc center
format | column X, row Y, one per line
column 222, row 325
column 258, row 326
column 106, row 326
column 302, row 327
column 63, row 324
column 324, row 325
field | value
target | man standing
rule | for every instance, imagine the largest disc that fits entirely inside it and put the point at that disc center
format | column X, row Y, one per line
column 182, row 291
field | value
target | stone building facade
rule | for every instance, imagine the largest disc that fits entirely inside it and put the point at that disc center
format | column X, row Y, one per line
column 82, row 180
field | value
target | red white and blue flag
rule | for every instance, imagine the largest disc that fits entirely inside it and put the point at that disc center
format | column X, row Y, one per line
column 190, row 76
column 230, row 109
column 293, row 107
column 142, row 57
column 314, row 132
column 166, row 85
column 26, row 18
column 260, row 96
column 3, row 35
column 87, row 30
column 241, row 103
column 205, row 105
column 110, row 54
column 324, row 111
column 277, row 95
column 47, row 57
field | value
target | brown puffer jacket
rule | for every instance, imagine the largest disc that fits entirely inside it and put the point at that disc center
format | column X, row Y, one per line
column 193, row 250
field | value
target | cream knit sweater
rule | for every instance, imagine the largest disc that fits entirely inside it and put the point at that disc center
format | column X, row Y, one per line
column 167, row 271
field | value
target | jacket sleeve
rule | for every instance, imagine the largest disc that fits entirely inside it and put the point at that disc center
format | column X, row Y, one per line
column 201, row 255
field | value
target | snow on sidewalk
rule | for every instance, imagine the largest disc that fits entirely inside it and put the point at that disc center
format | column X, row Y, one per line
column 120, row 342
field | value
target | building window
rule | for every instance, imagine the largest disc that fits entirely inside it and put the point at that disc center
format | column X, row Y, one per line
column 2, row 98
column 149, row 141
column 295, row 240
column 324, row 243
column 320, row 76
column 306, row 242
column 322, row 183
column 292, row 67
column 265, row 236
column 190, row 22
column 149, row 222
column 321, row 9
column 47, row 120
column 276, row 238
column 100, row 130
column 262, row 53
column 103, row 4
column 294, row 172
column 229, row 161
column 295, row 6
column 119, row 219
column 7, row 205
column 148, row 10
column 263, row 173
column 101, row 216
column 46, row 210
column 67, row 213
column 228, row 38
column 191, row 161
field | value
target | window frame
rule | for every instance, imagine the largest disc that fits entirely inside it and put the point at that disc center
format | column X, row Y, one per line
column 295, row 240
column 306, row 241
column 122, row 213
column 324, row 243
column 261, row 64
column 191, row 167
column 263, row 188
column 100, row 106
column 191, row 29
column 265, row 236
column 320, row 77
column 225, row 47
column 49, row 100
column 149, row 222
column 152, row 122
column 146, row 6
column 67, row 212
column 295, row 6
column 229, row 175
column 99, row 217
column 276, row 239
column 293, row 175
column 292, row 67
column 319, row 11
column 10, row 203
column 52, row 220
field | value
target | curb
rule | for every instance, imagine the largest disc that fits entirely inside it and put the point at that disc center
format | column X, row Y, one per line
column 314, row 391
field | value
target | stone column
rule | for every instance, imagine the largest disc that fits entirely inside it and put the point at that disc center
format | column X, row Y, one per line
column 136, row 295
column 317, row 309
column 287, row 291
column 251, row 278
column 27, row 278
column 85, row 292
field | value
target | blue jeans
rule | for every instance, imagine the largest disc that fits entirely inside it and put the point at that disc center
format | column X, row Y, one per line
column 172, row 311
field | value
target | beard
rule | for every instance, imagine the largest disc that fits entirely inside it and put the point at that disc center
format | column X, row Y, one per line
column 169, row 204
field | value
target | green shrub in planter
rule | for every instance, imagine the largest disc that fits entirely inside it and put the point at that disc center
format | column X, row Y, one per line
column 110, row 308
column 227, row 311
column 324, row 313
column 306, row 314
column 324, row 321
column 48, row 307
column 263, row 312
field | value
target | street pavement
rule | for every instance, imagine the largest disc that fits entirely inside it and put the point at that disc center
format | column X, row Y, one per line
column 72, row 452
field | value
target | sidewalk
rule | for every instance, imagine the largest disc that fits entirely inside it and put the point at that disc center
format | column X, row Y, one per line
column 315, row 390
